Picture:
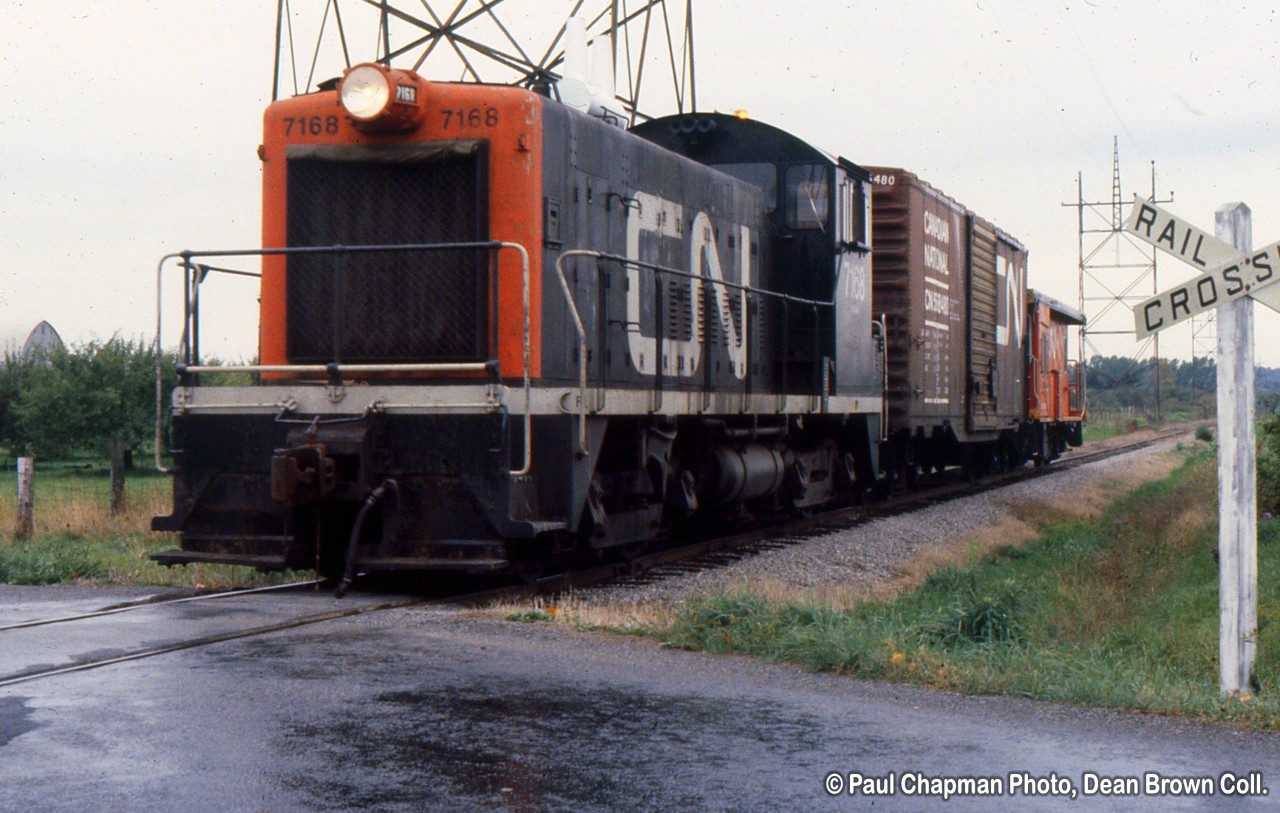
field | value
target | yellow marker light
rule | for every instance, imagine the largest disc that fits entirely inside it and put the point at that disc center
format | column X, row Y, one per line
column 742, row 114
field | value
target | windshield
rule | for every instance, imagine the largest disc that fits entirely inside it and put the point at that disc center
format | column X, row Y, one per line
column 807, row 193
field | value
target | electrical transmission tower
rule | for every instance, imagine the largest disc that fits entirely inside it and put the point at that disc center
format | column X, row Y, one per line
column 514, row 42
column 1116, row 273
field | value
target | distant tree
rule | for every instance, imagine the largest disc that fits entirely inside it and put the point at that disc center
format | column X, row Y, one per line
column 1268, row 379
column 80, row 399
column 14, row 381
column 1267, row 424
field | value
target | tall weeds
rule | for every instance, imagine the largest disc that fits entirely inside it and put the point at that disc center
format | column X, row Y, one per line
column 78, row 539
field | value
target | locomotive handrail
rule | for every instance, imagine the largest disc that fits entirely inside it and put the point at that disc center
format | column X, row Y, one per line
column 581, row 330
column 460, row 367
column 880, row 333
column 190, row 330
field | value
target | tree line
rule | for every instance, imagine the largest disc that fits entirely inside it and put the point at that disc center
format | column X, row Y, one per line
column 74, row 401
column 1118, row 381
column 1124, row 382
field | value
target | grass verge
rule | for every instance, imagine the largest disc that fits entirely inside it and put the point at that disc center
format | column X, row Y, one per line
column 1119, row 611
column 78, row 540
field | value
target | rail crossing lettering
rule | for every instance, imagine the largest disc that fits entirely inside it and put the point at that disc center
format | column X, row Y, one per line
column 1228, row 274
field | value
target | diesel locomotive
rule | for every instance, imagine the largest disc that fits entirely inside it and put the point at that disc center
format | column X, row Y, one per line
column 498, row 331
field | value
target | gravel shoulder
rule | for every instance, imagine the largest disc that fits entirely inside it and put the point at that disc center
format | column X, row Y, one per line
column 886, row 555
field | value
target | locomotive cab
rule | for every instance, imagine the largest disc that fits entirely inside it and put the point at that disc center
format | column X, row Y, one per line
column 819, row 213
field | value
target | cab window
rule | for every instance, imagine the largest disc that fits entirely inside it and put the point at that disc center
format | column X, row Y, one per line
column 807, row 196
column 852, row 211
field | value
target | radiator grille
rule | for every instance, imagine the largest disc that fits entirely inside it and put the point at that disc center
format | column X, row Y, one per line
column 387, row 306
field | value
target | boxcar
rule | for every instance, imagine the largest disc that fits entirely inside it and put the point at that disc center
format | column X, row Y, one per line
column 950, row 289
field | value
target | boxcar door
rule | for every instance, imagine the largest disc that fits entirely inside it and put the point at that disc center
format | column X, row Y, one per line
column 982, row 394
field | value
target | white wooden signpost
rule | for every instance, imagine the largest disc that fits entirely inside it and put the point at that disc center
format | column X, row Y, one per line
column 1233, row 274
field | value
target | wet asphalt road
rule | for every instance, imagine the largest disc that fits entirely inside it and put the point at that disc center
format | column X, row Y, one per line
column 423, row 709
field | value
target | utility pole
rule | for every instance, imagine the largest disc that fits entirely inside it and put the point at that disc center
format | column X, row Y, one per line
column 1112, row 270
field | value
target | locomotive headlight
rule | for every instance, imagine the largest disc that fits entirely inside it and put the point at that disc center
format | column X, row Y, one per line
column 381, row 99
column 365, row 92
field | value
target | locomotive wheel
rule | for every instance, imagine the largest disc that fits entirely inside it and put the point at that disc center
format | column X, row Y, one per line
column 630, row 551
column 528, row 570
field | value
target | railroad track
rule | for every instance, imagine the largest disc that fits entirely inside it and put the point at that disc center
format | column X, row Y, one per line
column 683, row 556
column 148, row 603
column 85, row 645
column 705, row 554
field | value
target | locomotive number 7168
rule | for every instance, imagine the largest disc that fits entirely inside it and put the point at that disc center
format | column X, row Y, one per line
column 470, row 117
column 310, row 125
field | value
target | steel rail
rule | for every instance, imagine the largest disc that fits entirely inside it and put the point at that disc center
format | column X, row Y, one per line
column 192, row 643
column 149, row 603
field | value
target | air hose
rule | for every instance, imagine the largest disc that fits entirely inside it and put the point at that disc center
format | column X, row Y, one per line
column 375, row 496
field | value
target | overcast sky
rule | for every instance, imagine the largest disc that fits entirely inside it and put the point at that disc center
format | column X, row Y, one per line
column 131, row 128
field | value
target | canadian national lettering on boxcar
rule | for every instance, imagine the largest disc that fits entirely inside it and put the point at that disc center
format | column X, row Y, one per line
column 498, row 331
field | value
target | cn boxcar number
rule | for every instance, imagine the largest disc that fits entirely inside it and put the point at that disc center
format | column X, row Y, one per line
column 469, row 118
column 310, row 125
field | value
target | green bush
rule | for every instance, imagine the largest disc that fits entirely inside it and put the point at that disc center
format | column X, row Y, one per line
column 1268, row 438
column 972, row 612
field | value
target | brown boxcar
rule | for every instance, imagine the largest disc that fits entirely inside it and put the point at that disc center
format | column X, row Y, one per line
column 951, row 290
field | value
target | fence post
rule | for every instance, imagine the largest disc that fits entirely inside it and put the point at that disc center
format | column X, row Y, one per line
column 26, row 497
column 117, row 476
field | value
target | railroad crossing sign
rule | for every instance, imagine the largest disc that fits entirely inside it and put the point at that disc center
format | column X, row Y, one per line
column 1231, row 272
column 1227, row 274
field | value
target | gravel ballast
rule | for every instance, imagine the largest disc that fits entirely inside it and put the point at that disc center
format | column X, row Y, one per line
column 878, row 556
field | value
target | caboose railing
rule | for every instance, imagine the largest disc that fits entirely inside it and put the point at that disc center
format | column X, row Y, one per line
column 189, row 366
column 821, row 377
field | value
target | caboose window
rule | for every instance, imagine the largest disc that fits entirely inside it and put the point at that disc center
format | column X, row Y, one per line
column 764, row 176
column 807, row 193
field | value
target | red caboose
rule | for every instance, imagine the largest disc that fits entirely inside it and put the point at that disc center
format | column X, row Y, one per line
column 1055, row 397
